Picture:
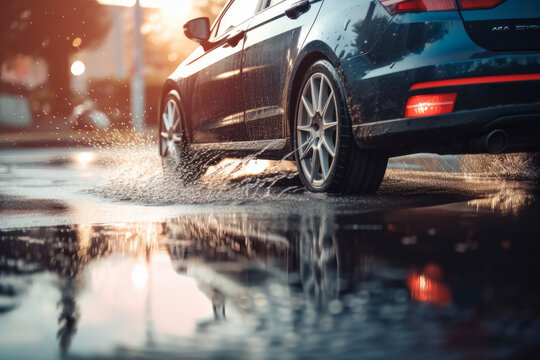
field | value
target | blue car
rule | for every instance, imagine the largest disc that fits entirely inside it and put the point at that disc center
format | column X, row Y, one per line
column 342, row 85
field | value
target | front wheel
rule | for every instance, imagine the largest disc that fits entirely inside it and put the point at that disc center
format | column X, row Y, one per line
column 327, row 156
column 176, row 159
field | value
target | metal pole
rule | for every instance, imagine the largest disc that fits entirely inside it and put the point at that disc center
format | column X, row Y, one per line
column 118, row 33
column 137, row 80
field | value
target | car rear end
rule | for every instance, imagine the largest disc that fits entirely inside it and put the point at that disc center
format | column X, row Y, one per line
column 450, row 76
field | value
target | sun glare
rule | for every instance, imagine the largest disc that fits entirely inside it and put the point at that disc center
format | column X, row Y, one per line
column 163, row 26
column 183, row 5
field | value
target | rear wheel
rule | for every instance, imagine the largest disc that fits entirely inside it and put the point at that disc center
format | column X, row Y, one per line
column 327, row 156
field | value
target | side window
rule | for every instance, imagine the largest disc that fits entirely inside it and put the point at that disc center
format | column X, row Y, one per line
column 238, row 12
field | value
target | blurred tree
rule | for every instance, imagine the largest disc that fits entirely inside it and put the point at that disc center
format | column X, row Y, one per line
column 53, row 30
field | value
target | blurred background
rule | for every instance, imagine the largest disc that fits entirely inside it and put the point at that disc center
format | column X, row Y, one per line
column 84, row 64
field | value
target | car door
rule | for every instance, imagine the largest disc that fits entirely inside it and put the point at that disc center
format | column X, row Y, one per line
column 217, row 111
column 272, row 43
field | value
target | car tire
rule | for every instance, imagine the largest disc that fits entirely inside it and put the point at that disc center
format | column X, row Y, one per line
column 326, row 153
column 176, row 158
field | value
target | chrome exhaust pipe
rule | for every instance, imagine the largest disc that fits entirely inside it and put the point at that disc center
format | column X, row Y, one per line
column 496, row 141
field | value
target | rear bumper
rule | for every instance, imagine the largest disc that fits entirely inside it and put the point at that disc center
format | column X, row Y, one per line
column 420, row 48
column 454, row 133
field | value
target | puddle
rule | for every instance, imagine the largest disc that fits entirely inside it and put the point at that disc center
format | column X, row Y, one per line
column 451, row 281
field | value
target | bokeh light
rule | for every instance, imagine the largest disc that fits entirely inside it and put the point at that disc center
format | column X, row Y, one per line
column 172, row 56
column 78, row 68
column 85, row 158
column 77, row 42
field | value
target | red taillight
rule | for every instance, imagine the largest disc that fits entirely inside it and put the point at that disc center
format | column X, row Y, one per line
column 402, row 6
column 479, row 4
column 429, row 105
column 476, row 80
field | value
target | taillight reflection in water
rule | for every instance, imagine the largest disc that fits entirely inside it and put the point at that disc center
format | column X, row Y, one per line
column 427, row 286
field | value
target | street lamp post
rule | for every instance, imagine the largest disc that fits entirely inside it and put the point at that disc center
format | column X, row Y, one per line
column 137, row 79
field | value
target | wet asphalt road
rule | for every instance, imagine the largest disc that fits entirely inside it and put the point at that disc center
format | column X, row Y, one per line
column 100, row 257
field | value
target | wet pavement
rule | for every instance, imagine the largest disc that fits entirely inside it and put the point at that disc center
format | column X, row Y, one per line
column 100, row 257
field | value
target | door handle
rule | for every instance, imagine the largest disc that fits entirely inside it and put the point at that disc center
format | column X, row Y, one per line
column 235, row 38
column 297, row 9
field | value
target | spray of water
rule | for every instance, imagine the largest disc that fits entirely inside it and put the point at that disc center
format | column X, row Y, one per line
column 134, row 173
column 505, row 166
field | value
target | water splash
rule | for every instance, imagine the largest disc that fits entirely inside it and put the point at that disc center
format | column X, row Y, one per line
column 134, row 173
column 511, row 166
column 509, row 200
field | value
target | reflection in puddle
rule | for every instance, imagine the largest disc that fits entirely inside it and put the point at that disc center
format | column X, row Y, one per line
column 427, row 286
column 85, row 158
column 240, row 285
column 509, row 200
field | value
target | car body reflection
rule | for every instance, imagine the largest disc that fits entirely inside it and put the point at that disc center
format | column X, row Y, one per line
column 228, row 278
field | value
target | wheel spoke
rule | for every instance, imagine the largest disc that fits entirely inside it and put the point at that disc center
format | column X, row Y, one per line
column 175, row 125
column 308, row 145
column 169, row 109
column 176, row 138
column 306, row 128
column 171, row 115
column 314, row 95
column 325, row 164
column 164, row 135
column 166, row 122
column 321, row 91
column 329, row 125
column 327, row 104
column 315, row 164
column 329, row 147
column 309, row 109
column 175, row 116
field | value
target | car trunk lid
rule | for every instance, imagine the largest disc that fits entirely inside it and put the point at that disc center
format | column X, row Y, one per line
column 503, row 25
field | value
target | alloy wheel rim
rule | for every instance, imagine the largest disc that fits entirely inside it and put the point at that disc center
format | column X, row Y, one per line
column 319, row 263
column 171, row 128
column 317, row 129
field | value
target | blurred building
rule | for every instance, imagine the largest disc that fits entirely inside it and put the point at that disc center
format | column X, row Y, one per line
column 111, row 59
column 103, row 73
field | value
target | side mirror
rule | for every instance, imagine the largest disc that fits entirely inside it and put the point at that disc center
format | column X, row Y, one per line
column 198, row 30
